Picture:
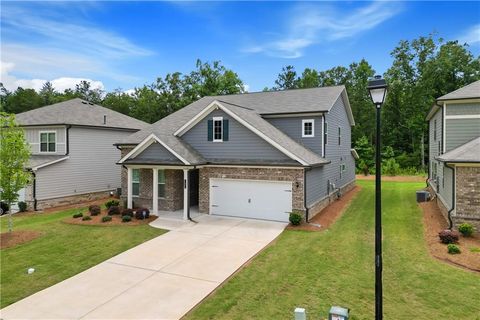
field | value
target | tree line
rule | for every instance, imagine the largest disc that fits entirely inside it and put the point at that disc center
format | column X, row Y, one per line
column 422, row 70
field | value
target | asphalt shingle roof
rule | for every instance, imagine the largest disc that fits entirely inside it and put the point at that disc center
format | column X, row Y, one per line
column 469, row 91
column 468, row 152
column 78, row 112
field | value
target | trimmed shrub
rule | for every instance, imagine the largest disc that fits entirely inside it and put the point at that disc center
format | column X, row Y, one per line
column 22, row 206
column 127, row 212
column 448, row 236
column 139, row 213
column 106, row 218
column 466, row 229
column 126, row 218
column 94, row 210
column 85, row 218
column 295, row 218
column 78, row 215
column 112, row 203
column 114, row 210
column 453, row 249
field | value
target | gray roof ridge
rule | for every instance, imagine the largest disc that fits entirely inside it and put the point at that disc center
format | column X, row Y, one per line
column 459, row 89
column 275, row 91
column 446, row 155
column 236, row 105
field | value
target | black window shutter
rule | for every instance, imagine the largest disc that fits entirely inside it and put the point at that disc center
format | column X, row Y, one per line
column 210, row 130
column 225, row 129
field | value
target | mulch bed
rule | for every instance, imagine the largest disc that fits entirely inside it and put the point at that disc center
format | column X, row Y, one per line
column 14, row 238
column 433, row 223
column 116, row 220
column 393, row 178
column 329, row 214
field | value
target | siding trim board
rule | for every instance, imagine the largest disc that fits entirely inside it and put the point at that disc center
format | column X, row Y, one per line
column 470, row 116
column 49, row 163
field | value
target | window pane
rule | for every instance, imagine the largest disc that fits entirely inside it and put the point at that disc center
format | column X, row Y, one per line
column 51, row 147
column 161, row 190
column 161, row 176
column 43, row 147
column 51, row 137
column 217, row 130
column 136, row 175
column 43, row 137
column 135, row 188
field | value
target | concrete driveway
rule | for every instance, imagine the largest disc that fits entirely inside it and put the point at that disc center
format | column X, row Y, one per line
column 160, row 279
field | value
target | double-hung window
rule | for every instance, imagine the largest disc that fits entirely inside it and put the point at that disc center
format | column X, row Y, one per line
column 325, row 133
column 217, row 129
column 339, row 135
column 308, row 128
column 135, row 182
column 435, row 130
column 48, row 141
column 161, row 183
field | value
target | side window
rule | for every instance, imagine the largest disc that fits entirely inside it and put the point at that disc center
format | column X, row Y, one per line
column 308, row 128
column 439, row 148
column 136, row 182
column 339, row 136
column 161, row 183
column 48, row 141
column 435, row 130
column 325, row 133
column 217, row 129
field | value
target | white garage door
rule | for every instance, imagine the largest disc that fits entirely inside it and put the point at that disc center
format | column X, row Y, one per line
column 268, row 200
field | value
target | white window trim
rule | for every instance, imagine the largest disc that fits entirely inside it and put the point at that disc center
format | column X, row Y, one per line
column 305, row 121
column 159, row 183
column 213, row 128
column 132, row 182
column 40, row 141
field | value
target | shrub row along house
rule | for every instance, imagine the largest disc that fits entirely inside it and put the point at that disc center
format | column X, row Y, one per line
column 454, row 153
column 257, row 155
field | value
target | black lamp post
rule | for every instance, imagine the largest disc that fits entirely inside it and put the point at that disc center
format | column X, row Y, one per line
column 377, row 88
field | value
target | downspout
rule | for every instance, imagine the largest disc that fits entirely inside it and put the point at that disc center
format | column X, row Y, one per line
column 34, row 190
column 305, row 192
column 449, row 214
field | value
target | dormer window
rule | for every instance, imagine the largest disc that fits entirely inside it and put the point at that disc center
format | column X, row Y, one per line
column 217, row 129
column 308, row 128
column 48, row 141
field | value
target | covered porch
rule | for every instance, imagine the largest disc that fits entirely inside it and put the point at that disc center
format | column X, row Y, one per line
column 168, row 191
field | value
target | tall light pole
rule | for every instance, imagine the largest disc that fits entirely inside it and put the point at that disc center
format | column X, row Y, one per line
column 377, row 88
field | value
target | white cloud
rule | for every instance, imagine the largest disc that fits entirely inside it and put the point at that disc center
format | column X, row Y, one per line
column 471, row 36
column 246, row 87
column 312, row 24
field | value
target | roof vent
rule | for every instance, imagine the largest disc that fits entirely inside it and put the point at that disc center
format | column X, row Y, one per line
column 104, row 119
column 90, row 103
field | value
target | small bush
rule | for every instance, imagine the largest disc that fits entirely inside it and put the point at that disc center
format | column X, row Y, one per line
column 453, row 249
column 94, row 210
column 106, row 218
column 295, row 218
column 126, row 218
column 448, row 236
column 112, row 203
column 85, row 218
column 22, row 206
column 139, row 213
column 466, row 229
column 78, row 215
column 127, row 212
column 113, row 210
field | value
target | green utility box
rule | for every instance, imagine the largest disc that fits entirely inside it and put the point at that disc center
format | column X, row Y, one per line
column 338, row 313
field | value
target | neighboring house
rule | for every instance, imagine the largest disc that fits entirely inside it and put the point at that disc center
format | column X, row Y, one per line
column 256, row 155
column 454, row 154
column 73, row 158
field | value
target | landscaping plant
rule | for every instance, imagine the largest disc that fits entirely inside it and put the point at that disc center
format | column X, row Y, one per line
column 142, row 213
column 126, row 218
column 78, row 215
column 127, row 212
column 94, row 210
column 466, row 229
column 448, row 236
column 106, row 218
column 112, row 203
column 114, row 210
column 85, row 218
column 295, row 218
column 22, row 206
column 453, row 249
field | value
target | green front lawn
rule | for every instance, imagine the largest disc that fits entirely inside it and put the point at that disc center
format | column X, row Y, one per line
column 318, row 269
column 61, row 252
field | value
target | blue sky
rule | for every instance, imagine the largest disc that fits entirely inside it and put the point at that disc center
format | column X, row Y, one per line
column 128, row 44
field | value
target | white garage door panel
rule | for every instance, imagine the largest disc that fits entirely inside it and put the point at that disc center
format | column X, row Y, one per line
column 269, row 200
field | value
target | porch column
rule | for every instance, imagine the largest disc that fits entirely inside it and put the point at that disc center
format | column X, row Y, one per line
column 155, row 191
column 129, row 188
column 186, row 195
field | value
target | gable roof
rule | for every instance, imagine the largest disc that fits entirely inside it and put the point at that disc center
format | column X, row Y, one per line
column 470, row 91
column 78, row 112
column 249, row 108
column 468, row 153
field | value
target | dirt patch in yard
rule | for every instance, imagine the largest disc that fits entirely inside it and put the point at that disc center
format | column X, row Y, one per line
column 393, row 179
column 14, row 238
column 329, row 214
column 433, row 223
column 116, row 220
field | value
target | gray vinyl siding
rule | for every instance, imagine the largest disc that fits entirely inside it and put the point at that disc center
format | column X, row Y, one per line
column 463, row 109
column 460, row 131
column 317, row 178
column 242, row 144
column 32, row 135
column 156, row 151
column 445, row 185
column 91, row 165
column 293, row 128
column 434, row 140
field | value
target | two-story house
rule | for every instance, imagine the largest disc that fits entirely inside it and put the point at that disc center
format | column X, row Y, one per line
column 454, row 154
column 256, row 155
column 73, row 158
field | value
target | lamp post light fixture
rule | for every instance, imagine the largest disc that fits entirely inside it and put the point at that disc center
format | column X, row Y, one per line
column 377, row 88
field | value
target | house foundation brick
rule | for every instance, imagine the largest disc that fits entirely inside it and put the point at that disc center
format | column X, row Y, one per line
column 317, row 207
column 269, row 174
column 467, row 196
column 64, row 201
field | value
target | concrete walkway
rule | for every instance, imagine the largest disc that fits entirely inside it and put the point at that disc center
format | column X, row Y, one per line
column 160, row 279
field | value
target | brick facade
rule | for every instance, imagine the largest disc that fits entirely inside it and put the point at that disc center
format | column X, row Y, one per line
column 320, row 205
column 272, row 174
column 64, row 201
column 467, row 196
